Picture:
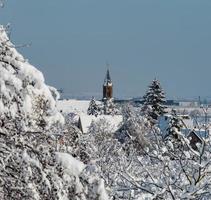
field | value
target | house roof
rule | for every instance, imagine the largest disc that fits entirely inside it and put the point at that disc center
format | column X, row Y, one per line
column 114, row 121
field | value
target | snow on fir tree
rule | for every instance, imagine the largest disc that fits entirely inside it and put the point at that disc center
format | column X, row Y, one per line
column 154, row 101
column 93, row 108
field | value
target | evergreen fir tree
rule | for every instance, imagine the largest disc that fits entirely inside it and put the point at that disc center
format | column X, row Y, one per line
column 154, row 101
column 93, row 108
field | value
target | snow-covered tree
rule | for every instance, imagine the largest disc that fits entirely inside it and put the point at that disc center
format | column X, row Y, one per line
column 154, row 101
column 35, row 148
column 104, row 152
column 162, row 176
column 134, row 127
column 93, row 108
column 23, row 92
column 33, row 167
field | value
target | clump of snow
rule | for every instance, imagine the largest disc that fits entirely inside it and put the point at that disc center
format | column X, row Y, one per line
column 71, row 165
column 101, row 191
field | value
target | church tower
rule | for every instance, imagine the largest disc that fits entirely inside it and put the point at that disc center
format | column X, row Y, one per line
column 107, row 87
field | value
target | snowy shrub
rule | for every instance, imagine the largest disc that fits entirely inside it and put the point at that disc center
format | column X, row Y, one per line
column 31, row 168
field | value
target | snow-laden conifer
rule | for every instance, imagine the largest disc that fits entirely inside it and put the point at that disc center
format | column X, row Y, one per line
column 154, row 100
column 93, row 108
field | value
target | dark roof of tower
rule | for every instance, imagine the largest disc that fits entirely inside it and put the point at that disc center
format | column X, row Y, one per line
column 107, row 80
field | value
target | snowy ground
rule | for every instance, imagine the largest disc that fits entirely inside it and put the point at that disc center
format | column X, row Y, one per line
column 188, row 110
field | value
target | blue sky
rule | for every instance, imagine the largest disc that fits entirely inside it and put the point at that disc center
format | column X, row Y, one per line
column 141, row 39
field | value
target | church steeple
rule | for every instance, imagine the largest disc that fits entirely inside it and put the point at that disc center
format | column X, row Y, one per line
column 107, row 87
column 107, row 80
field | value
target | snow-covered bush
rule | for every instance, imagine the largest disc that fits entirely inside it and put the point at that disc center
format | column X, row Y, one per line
column 33, row 168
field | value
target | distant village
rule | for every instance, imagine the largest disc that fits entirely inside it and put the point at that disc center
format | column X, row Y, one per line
column 193, row 115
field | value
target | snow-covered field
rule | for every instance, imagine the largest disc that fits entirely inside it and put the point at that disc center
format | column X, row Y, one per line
column 73, row 106
column 188, row 110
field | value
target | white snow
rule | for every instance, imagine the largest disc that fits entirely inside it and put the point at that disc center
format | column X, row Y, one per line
column 114, row 121
column 71, row 165
column 74, row 106
column 101, row 191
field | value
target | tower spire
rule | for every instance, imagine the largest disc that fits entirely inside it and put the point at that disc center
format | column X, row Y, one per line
column 107, row 86
column 108, row 77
